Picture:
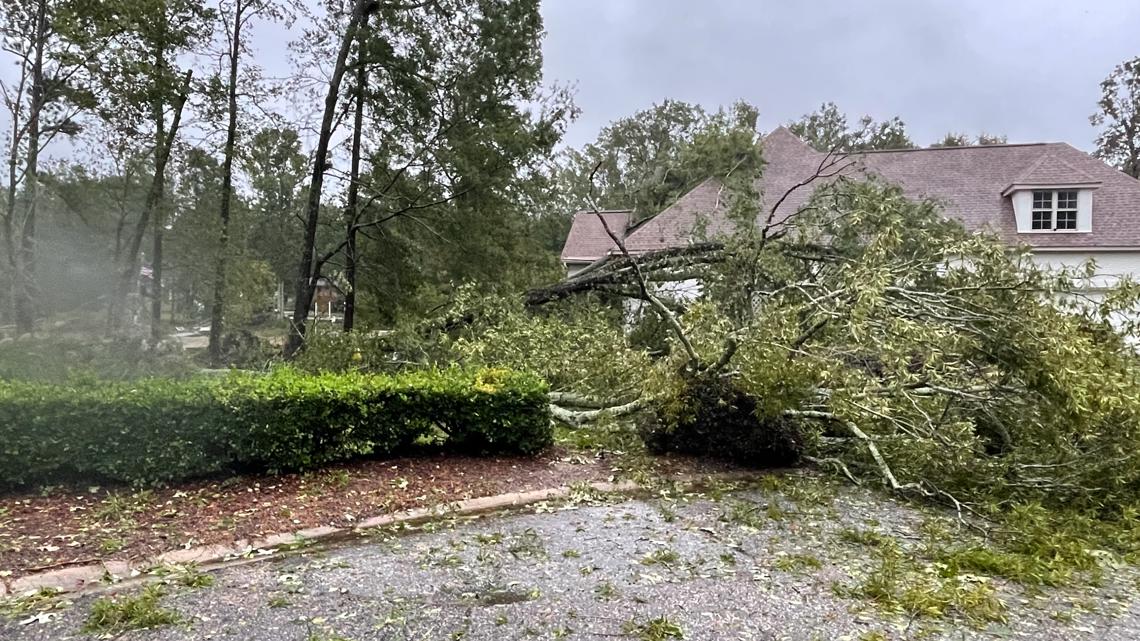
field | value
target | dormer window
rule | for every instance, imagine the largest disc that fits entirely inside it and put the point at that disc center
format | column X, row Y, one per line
column 1054, row 210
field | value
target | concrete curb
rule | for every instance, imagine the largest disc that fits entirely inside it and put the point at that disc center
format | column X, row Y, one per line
column 93, row 578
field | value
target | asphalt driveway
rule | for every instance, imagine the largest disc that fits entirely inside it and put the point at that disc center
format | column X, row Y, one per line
column 725, row 564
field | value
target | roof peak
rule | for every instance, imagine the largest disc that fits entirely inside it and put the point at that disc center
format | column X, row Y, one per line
column 784, row 135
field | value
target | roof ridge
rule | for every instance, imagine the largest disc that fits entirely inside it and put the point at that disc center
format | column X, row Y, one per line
column 914, row 149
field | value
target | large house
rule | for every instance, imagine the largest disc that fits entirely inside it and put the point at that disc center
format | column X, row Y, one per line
column 1064, row 204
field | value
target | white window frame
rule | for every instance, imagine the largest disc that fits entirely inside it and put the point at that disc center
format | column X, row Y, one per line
column 1047, row 210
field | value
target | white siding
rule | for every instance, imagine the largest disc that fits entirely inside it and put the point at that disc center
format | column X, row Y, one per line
column 572, row 269
column 1110, row 265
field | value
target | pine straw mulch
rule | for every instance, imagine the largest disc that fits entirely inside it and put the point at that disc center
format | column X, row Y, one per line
column 85, row 525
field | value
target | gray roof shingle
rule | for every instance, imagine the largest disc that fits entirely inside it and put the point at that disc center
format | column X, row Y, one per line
column 588, row 240
column 969, row 182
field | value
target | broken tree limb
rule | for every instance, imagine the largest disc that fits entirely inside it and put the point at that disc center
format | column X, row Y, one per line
column 666, row 265
column 578, row 418
column 884, row 469
column 572, row 399
column 838, row 464
column 642, row 284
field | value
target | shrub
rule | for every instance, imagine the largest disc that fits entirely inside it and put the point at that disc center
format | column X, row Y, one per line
column 156, row 430
column 500, row 411
column 152, row 430
column 710, row 417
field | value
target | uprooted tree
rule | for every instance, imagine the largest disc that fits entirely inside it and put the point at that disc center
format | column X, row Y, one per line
column 871, row 334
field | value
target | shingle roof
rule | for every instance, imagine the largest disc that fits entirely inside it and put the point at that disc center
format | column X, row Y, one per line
column 1051, row 170
column 588, row 240
column 968, row 181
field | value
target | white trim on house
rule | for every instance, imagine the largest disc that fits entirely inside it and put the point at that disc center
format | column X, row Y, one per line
column 1050, row 186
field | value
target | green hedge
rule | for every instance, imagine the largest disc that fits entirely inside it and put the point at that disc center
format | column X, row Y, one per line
column 156, row 430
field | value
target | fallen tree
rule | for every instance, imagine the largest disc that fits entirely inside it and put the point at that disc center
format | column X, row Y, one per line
column 938, row 361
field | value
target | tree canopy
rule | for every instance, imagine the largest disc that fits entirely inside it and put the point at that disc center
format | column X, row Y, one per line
column 827, row 129
column 1118, row 117
column 645, row 161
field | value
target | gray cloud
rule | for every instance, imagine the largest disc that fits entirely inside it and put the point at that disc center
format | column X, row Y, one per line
column 1027, row 69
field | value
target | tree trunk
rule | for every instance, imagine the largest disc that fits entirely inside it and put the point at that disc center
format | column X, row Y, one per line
column 24, row 276
column 159, row 223
column 353, row 204
column 129, row 274
column 307, row 280
column 218, row 306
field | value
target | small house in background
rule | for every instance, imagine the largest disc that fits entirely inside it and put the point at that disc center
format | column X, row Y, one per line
column 328, row 299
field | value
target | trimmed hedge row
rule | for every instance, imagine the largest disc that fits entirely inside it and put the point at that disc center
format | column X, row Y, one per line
column 157, row 430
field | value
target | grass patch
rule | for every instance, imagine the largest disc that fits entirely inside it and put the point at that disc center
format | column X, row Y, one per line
column 325, row 636
column 42, row 600
column 869, row 538
column 744, row 513
column 115, row 615
column 797, row 562
column 659, row 629
column 661, row 556
column 902, row 584
column 119, row 507
column 186, row 575
column 605, row 591
column 527, row 544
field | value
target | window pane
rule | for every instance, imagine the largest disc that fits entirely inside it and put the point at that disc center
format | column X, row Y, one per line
column 1042, row 220
column 1067, row 219
column 1066, row 200
column 1042, row 199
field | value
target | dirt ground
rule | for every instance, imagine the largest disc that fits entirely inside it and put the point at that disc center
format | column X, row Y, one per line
column 62, row 527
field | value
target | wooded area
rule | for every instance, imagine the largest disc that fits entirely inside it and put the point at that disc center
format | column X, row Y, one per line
column 190, row 191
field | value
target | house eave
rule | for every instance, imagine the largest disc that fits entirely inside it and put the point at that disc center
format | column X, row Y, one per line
column 1086, row 248
column 1030, row 186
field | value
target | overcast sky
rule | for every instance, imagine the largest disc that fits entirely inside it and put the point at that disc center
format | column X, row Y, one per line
column 1029, row 69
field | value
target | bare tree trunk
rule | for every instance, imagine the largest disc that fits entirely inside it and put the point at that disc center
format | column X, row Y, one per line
column 307, row 279
column 217, row 316
column 353, row 204
column 156, row 263
column 129, row 273
column 159, row 222
column 24, row 276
